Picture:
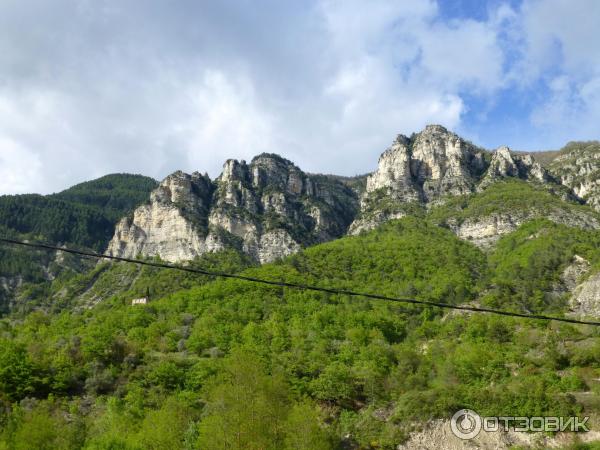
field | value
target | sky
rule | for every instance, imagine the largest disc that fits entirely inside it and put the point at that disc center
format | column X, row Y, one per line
column 91, row 87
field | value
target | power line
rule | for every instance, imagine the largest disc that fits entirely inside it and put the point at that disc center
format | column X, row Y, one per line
column 298, row 286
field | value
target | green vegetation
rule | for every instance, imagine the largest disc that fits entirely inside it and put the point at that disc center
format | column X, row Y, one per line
column 83, row 216
column 116, row 194
column 55, row 220
column 225, row 364
column 511, row 195
column 527, row 264
column 380, row 204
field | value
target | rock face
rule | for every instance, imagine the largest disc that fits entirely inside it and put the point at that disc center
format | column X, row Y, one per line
column 172, row 225
column 573, row 272
column 586, row 297
column 268, row 209
column 505, row 164
column 433, row 165
column 578, row 167
column 486, row 230
column 421, row 169
column 427, row 166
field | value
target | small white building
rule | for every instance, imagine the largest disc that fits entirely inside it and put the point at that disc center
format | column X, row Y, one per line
column 139, row 301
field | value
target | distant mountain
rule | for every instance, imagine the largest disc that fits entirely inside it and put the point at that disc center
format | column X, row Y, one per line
column 268, row 209
column 82, row 216
column 115, row 194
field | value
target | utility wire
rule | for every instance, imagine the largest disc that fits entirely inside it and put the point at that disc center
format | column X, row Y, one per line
column 298, row 286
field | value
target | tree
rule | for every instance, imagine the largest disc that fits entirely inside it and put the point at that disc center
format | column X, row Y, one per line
column 303, row 431
column 246, row 408
column 16, row 371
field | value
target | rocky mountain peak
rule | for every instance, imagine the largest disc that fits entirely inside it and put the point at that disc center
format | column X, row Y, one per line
column 270, row 208
column 427, row 166
column 505, row 163
column 435, row 129
column 577, row 166
column 273, row 171
column 267, row 208
column 234, row 170
column 190, row 191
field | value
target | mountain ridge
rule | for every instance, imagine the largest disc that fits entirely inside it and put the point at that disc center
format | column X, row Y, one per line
column 269, row 208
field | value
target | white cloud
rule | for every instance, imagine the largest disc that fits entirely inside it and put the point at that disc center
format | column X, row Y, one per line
column 88, row 89
column 561, row 54
column 223, row 117
column 562, row 32
column 20, row 169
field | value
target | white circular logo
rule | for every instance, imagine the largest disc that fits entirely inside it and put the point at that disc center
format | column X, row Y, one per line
column 465, row 424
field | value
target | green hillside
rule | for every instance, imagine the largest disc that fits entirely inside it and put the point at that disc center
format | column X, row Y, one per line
column 224, row 364
column 115, row 194
column 83, row 215
column 513, row 197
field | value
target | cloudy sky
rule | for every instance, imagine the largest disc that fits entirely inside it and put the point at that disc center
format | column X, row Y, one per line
column 90, row 87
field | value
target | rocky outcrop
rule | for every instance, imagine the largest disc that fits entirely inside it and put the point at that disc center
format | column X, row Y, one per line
column 586, row 297
column 573, row 272
column 427, row 166
column 578, row 167
column 366, row 223
column 435, row 164
column 173, row 225
column 485, row 231
column 424, row 168
column 268, row 209
column 505, row 164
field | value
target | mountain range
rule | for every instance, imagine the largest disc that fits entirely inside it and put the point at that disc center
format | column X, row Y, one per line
column 441, row 219
column 269, row 208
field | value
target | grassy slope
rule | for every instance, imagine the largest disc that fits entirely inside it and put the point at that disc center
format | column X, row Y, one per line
column 510, row 196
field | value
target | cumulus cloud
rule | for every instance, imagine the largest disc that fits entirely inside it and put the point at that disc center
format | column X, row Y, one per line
column 560, row 55
column 94, row 87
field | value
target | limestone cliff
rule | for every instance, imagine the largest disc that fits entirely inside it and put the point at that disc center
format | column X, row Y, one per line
column 172, row 224
column 505, row 163
column 427, row 166
column 577, row 166
column 268, row 209
column 434, row 165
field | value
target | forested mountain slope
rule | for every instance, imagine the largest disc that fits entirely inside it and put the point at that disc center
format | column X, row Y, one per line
column 226, row 364
column 83, row 216
column 314, row 370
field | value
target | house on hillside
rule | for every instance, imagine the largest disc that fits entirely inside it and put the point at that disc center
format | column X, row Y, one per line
column 139, row 301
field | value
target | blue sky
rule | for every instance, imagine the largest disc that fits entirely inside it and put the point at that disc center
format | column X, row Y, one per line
column 89, row 87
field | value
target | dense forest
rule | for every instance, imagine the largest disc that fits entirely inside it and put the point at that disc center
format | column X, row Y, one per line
column 225, row 364
column 83, row 216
